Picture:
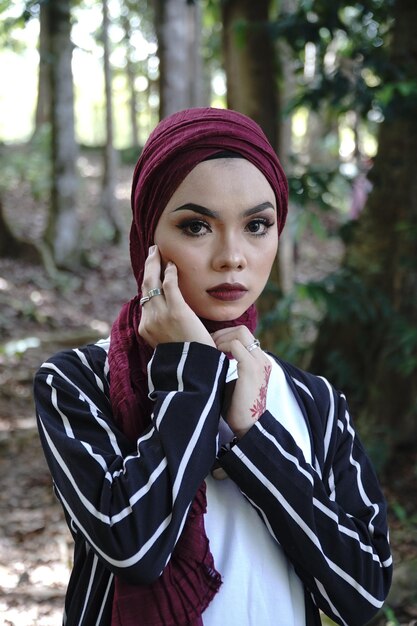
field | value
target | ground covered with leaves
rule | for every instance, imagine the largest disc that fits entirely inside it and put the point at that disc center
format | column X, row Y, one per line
column 41, row 314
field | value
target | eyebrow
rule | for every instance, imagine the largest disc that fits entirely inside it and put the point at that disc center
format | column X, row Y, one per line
column 202, row 210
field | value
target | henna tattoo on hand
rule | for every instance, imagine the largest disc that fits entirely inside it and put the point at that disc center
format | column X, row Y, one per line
column 259, row 406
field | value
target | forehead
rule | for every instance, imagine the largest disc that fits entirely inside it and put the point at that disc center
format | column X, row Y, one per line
column 217, row 179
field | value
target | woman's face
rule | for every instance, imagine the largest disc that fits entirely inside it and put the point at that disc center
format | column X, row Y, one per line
column 220, row 229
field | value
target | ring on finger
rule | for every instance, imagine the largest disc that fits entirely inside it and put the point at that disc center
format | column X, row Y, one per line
column 155, row 292
column 151, row 294
column 252, row 346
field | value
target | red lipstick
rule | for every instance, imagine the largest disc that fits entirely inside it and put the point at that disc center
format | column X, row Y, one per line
column 228, row 292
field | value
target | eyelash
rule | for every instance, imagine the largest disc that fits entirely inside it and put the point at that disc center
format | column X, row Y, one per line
column 186, row 225
column 263, row 221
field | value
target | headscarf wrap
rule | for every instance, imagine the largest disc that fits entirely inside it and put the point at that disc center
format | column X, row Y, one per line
column 174, row 148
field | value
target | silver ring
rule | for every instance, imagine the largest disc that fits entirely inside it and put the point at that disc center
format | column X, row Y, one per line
column 151, row 294
column 252, row 346
column 155, row 292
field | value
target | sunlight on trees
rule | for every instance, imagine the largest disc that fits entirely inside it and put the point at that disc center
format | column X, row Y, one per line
column 18, row 97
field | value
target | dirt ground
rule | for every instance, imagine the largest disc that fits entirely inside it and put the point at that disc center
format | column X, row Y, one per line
column 37, row 318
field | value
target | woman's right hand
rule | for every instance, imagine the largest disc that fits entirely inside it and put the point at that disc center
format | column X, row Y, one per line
column 167, row 318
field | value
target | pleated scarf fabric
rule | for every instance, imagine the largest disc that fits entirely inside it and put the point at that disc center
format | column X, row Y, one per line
column 173, row 149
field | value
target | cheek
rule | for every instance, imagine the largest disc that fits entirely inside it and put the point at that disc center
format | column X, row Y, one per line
column 186, row 260
column 191, row 273
column 271, row 258
column 265, row 260
column 188, row 273
column 188, row 265
column 167, row 251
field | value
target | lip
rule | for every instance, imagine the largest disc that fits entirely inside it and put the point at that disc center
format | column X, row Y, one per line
column 228, row 292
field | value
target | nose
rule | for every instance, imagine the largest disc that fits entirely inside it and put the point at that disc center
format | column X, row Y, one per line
column 229, row 255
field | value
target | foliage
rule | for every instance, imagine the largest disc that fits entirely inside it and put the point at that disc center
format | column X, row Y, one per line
column 12, row 21
column 324, row 187
column 303, row 314
column 28, row 163
column 350, row 52
column 129, row 156
column 212, row 34
column 350, row 72
column 139, row 13
column 345, row 299
column 390, row 615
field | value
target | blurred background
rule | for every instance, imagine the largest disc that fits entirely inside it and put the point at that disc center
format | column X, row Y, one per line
column 334, row 86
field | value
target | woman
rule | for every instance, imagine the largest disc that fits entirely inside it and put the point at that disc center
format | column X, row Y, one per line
column 204, row 480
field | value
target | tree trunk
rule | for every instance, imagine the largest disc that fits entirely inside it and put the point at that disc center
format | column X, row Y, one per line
column 199, row 92
column 251, row 71
column 12, row 246
column 177, row 27
column 131, row 75
column 251, row 64
column 110, row 166
column 374, row 346
column 43, row 105
column 287, row 242
column 63, row 231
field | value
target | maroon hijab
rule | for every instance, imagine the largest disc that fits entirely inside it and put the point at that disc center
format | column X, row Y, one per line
column 173, row 149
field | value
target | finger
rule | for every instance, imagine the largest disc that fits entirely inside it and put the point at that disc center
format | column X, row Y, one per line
column 240, row 350
column 152, row 271
column 171, row 288
column 242, row 333
column 224, row 344
column 236, row 349
column 220, row 334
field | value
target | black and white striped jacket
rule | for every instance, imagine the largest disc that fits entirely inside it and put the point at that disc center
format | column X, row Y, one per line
column 126, row 504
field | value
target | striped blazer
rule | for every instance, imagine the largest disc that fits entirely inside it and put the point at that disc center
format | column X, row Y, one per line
column 126, row 503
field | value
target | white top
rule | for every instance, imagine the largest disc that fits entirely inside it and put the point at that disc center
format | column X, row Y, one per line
column 259, row 583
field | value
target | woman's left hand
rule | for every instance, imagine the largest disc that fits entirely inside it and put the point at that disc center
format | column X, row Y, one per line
column 248, row 401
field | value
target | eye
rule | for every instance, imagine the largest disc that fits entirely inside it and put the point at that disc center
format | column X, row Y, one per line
column 194, row 228
column 259, row 226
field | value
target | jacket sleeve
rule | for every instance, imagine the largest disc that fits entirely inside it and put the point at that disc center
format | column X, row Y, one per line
column 330, row 519
column 129, row 501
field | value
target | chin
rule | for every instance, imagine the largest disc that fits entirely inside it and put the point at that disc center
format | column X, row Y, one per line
column 225, row 314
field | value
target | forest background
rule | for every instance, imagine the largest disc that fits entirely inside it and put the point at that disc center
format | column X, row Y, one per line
column 334, row 86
